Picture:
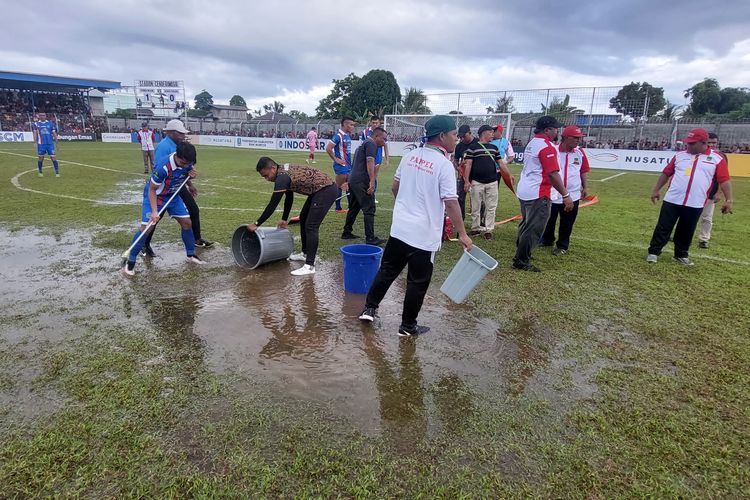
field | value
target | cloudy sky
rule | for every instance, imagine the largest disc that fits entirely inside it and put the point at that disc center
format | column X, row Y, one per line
column 291, row 50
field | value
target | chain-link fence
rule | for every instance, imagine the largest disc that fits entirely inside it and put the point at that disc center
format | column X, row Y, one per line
column 71, row 123
column 646, row 122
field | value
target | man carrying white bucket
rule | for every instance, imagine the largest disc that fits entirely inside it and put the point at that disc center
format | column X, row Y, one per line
column 425, row 189
column 321, row 193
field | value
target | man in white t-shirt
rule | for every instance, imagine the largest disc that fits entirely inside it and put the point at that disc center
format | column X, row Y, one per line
column 425, row 189
column 146, row 138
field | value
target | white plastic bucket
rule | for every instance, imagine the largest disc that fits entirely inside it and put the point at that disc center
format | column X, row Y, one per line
column 467, row 273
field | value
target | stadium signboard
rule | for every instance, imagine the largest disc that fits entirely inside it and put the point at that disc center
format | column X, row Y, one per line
column 115, row 137
column 76, row 137
column 254, row 142
column 16, row 137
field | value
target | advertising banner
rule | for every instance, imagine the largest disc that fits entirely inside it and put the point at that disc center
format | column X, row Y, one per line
column 255, row 142
column 16, row 137
column 76, row 137
column 113, row 137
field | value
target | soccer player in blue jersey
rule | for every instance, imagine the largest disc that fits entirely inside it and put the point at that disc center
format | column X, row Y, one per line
column 162, row 184
column 45, row 136
column 340, row 151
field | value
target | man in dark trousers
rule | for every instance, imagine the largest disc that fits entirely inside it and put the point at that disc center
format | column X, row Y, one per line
column 362, row 187
column 466, row 142
column 692, row 173
column 321, row 194
column 425, row 189
column 574, row 169
column 540, row 174
column 175, row 132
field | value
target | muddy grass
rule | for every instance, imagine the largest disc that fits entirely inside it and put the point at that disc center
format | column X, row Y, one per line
column 219, row 381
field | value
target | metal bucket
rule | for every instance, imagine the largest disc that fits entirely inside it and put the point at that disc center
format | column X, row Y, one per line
column 252, row 250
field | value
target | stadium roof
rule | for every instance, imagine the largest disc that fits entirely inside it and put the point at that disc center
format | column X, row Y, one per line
column 51, row 83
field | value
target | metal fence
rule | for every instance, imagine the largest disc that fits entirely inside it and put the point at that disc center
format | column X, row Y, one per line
column 590, row 108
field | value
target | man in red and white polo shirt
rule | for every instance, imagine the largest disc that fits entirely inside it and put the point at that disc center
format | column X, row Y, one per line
column 692, row 172
column 574, row 167
column 540, row 174
column 146, row 138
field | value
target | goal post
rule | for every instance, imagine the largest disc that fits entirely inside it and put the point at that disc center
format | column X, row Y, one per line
column 410, row 128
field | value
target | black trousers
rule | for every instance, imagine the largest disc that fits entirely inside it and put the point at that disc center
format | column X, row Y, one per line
column 686, row 219
column 567, row 219
column 396, row 256
column 193, row 210
column 535, row 214
column 461, row 198
column 313, row 212
column 361, row 201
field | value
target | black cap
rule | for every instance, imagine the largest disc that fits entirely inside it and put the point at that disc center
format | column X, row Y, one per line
column 485, row 128
column 547, row 122
column 463, row 130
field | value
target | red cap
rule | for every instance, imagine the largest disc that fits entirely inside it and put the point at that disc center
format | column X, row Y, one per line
column 499, row 127
column 697, row 135
column 572, row 131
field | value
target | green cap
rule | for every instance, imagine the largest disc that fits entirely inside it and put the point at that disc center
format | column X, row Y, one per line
column 439, row 124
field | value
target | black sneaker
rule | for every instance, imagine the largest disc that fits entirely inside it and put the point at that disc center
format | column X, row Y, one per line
column 526, row 267
column 349, row 236
column 203, row 243
column 702, row 244
column 487, row 236
column 414, row 331
column 559, row 251
column 148, row 252
column 376, row 242
column 475, row 232
column 369, row 314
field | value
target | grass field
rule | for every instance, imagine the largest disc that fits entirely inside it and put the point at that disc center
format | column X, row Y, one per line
column 620, row 379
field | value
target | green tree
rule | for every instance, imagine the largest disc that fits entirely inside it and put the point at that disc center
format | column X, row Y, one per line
column 336, row 103
column 375, row 91
column 560, row 108
column 704, row 96
column 276, row 107
column 298, row 115
column 733, row 99
column 203, row 100
column 502, row 105
column 634, row 97
column 237, row 100
column 414, row 102
column 121, row 113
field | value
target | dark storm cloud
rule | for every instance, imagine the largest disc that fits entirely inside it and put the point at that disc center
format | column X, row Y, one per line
column 266, row 49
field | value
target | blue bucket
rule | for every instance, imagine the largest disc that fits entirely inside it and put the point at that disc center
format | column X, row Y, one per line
column 361, row 263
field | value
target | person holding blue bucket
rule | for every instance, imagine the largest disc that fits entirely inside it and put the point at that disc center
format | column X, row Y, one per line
column 425, row 189
column 321, row 193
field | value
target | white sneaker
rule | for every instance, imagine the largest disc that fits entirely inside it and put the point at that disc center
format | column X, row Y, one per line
column 684, row 261
column 192, row 259
column 376, row 201
column 651, row 258
column 314, row 161
column 128, row 270
column 297, row 257
column 308, row 161
column 304, row 270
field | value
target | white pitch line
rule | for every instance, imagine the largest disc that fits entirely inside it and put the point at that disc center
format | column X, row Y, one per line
column 613, row 177
column 644, row 247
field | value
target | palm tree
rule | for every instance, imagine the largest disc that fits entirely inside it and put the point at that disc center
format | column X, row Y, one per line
column 503, row 105
column 560, row 108
column 414, row 102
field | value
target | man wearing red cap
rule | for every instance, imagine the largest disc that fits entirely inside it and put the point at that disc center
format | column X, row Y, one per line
column 574, row 166
column 692, row 172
